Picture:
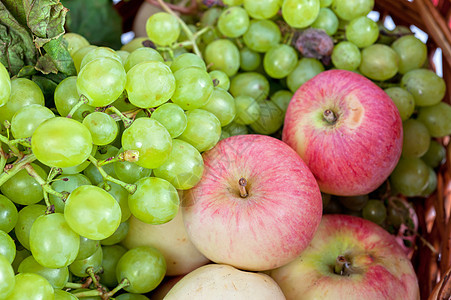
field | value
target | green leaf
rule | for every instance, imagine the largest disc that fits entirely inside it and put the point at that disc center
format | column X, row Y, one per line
column 27, row 71
column 57, row 51
column 48, row 87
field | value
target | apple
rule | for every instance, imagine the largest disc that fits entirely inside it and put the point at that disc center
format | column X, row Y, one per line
column 225, row 282
column 346, row 129
column 257, row 205
column 349, row 258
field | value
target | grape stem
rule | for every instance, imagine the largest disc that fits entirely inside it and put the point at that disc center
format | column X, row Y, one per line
column 127, row 121
column 12, row 169
column 11, row 146
column 90, row 293
column 3, row 159
column 72, row 285
column 82, row 100
column 129, row 155
column 124, row 283
column 191, row 37
column 93, row 276
column 131, row 188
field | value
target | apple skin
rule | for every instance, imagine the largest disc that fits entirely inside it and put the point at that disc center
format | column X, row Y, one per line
column 268, row 228
column 383, row 271
column 356, row 153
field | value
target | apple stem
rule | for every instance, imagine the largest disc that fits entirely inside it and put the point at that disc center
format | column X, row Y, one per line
column 243, row 192
column 342, row 266
column 329, row 116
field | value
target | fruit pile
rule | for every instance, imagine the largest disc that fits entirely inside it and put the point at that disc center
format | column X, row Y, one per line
column 242, row 134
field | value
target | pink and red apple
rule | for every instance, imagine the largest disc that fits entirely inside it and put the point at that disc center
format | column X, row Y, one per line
column 349, row 258
column 346, row 129
column 257, row 205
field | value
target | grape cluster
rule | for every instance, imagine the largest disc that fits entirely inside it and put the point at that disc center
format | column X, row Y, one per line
column 126, row 134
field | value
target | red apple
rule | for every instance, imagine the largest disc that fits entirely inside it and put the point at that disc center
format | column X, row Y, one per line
column 349, row 258
column 257, row 205
column 346, row 129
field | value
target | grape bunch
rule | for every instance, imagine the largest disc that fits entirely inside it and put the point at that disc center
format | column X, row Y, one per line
column 125, row 135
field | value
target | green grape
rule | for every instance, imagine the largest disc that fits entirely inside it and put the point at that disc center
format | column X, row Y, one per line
column 155, row 201
column 131, row 296
column 325, row 3
column 270, row 120
column 23, row 92
column 282, row 98
column 222, row 105
column 7, row 246
column 103, row 152
column 250, row 84
column 403, row 100
column 102, row 81
column 123, row 104
column 224, row 134
column 416, row 138
column 306, row 69
column 426, row 87
column 66, row 96
column 130, row 172
column 21, row 254
column 5, row 85
column 354, row 203
column 346, row 56
column 87, row 248
column 163, row 29
column 262, row 35
column 26, row 218
column 121, row 195
column 223, row 55
column 326, row 21
column 362, row 32
column 375, row 211
column 411, row 51
column 193, row 88
column 203, row 129
column 24, row 189
column 123, row 56
column 134, row 44
column 172, row 117
column 435, row 155
column 63, row 295
column 75, row 41
column 111, row 255
column 78, row 267
column 234, row 21
column 120, row 234
column 150, row 84
column 66, row 184
column 61, row 142
column 379, row 62
column 56, row 277
column 280, row 61
column 52, row 242
column 351, row 9
column 92, row 212
column 210, row 18
column 231, row 3
column 98, row 53
column 187, row 60
column 249, row 59
column 140, row 55
column 103, row 127
column 151, row 139
column 247, row 110
column 220, row 79
column 78, row 55
column 261, row 9
column 26, row 119
column 300, row 13
column 31, row 286
column 432, row 183
column 8, row 214
column 437, row 119
column 144, row 267
column 184, row 167
column 7, row 279
column 410, row 177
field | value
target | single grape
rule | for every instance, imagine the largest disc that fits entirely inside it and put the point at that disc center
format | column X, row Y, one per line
column 249, row 59
column 250, row 84
column 437, row 119
column 184, row 167
column 75, row 41
column 231, row 3
column 123, row 55
column 24, row 189
column 21, row 254
column 432, row 183
column 92, row 212
column 300, row 13
column 63, row 295
column 375, row 211
column 66, row 184
column 222, row 105
column 187, row 60
column 56, row 277
column 236, row 129
column 61, row 142
column 7, row 279
column 87, row 248
column 280, row 61
column 261, row 9
column 247, row 110
column 411, row 51
column 78, row 55
column 78, row 267
column 327, row 21
column 8, row 214
column 234, row 21
column 25, row 220
column 172, row 117
column 282, row 98
column 151, row 139
column 98, row 53
column 435, row 155
column 416, row 138
column 120, row 234
column 306, row 69
column 150, row 84
column 103, row 152
column 121, row 195
column 28, row 118
column 31, row 286
column 131, row 296
column 7, row 246
column 223, row 55
column 354, row 203
column 426, row 87
column 144, row 267
column 137, row 42
column 103, row 127
column 262, row 35
column 351, row 9
column 220, row 79
column 202, row 130
column 379, row 62
column 270, row 120
column 5, row 85
column 346, row 56
column 193, row 88
column 362, row 32
column 403, row 100
column 141, row 55
column 410, row 177
column 111, row 255
column 163, row 29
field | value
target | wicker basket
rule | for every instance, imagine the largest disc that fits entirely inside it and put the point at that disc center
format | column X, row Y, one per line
column 433, row 267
